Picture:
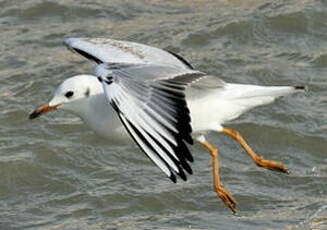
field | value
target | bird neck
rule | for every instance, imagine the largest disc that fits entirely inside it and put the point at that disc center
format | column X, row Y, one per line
column 98, row 114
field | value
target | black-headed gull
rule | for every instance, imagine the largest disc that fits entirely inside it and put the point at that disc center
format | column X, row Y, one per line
column 158, row 99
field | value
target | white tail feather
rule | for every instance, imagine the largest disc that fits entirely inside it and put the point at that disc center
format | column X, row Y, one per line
column 229, row 102
column 239, row 91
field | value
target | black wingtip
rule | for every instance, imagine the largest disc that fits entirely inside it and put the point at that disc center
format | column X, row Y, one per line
column 180, row 58
column 182, row 175
column 184, row 178
column 188, row 138
column 173, row 178
column 87, row 55
column 305, row 88
column 188, row 168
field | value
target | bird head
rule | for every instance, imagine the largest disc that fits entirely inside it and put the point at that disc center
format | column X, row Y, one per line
column 70, row 95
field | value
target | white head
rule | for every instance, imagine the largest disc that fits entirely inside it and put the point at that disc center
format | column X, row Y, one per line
column 72, row 95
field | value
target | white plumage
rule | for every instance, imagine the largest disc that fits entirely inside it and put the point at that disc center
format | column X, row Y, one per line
column 158, row 99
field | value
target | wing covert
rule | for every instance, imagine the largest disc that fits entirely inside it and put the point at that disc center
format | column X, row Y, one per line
column 104, row 50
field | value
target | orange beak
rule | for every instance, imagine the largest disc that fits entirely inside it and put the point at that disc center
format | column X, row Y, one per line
column 41, row 110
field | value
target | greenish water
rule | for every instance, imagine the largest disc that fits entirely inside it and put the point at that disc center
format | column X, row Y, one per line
column 55, row 174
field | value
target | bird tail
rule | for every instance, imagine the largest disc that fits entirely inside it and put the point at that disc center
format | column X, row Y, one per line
column 253, row 91
column 251, row 96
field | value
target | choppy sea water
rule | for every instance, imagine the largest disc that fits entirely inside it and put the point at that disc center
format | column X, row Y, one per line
column 56, row 174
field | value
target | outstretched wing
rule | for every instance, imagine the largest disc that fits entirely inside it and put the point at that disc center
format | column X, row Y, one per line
column 103, row 50
column 154, row 112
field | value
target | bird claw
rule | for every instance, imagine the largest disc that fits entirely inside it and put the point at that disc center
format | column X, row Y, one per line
column 226, row 197
column 271, row 165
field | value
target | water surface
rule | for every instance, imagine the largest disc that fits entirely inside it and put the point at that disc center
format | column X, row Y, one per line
column 56, row 174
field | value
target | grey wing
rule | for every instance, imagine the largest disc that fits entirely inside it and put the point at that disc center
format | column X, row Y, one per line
column 155, row 72
column 103, row 50
column 155, row 114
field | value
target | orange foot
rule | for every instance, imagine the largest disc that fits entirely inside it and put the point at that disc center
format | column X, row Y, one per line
column 271, row 165
column 226, row 197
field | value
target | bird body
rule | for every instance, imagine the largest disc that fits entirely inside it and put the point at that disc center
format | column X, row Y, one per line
column 225, row 104
column 160, row 102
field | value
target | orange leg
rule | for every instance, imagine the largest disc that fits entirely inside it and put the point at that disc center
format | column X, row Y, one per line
column 259, row 160
column 224, row 195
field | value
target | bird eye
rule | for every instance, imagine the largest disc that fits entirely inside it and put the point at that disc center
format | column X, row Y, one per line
column 69, row 94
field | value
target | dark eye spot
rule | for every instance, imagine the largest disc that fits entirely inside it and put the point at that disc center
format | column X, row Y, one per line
column 69, row 94
column 87, row 92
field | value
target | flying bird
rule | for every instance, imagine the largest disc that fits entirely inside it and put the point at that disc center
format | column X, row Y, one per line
column 158, row 100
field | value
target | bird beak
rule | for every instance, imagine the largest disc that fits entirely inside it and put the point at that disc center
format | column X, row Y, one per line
column 41, row 110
